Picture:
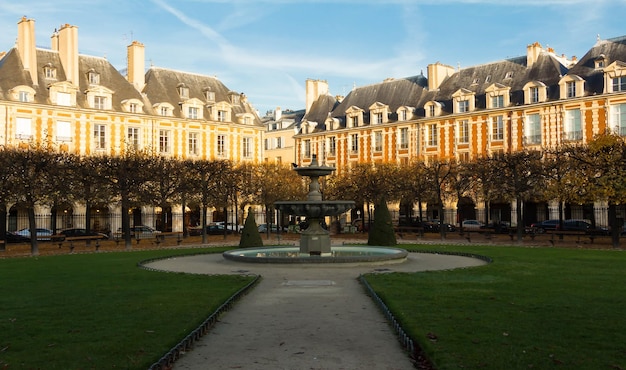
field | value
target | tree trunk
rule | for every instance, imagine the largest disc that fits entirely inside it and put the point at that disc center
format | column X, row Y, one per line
column 126, row 226
column 3, row 225
column 520, row 222
column 205, row 238
column 32, row 226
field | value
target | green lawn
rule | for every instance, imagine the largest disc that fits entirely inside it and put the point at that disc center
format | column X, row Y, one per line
column 532, row 308
column 87, row 311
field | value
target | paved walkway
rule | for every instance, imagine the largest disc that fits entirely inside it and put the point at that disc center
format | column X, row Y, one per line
column 302, row 316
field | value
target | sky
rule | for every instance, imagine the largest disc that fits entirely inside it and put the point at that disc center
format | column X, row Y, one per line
column 267, row 49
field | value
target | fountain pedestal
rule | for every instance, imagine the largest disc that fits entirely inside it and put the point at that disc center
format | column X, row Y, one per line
column 314, row 241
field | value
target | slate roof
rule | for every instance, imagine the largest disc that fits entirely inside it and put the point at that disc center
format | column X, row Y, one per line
column 612, row 49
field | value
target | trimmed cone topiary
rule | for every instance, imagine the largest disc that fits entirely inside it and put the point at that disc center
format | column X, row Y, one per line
column 382, row 232
column 250, row 236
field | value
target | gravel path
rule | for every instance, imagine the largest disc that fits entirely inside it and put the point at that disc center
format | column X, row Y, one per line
column 302, row 316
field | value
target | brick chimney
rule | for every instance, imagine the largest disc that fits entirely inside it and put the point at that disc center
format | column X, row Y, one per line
column 314, row 89
column 68, row 52
column 532, row 53
column 26, row 47
column 136, row 58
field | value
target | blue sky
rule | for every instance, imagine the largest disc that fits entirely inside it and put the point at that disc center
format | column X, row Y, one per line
column 267, row 49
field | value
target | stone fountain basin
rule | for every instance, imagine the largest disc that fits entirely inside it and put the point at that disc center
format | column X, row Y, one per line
column 314, row 209
column 316, row 171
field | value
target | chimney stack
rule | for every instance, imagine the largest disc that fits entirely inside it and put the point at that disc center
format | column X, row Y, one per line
column 26, row 47
column 136, row 73
column 68, row 52
column 532, row 53
column 314, row 89
column 437, row 73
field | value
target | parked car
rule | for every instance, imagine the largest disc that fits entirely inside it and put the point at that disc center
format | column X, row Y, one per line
column 499, row 226
column 582, row 225
column 543, row 226
column 139, row 232
column 12, row 237
column 230, row 226
column 42, row 233
column 274, row 228
column 472, row 224
column 77, row 232
column 433, row 226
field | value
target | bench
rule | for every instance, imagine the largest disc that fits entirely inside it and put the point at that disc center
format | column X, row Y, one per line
column 119, row 236
column 160, row 237
column 71, row 239
column 561, row 234
column 417, row 230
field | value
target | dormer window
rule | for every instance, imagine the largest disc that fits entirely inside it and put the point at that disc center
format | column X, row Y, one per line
column 508, row 75
column 600, row 62
column 379, row 113
column 192, row 109
column 463, row 101
column 497, row 96
column 209, row 95
column 432, row 109
column 183, row 91
column 404, row 113
column 164, row 109
column 235, row 98
column 619, row 83
column 24, row 96
column 535, row 92
column 50, row 71
column 132, row 105
column 615, row 77
column 93, row 77
column 354, row 116
column 22, row 93
column 571, row 86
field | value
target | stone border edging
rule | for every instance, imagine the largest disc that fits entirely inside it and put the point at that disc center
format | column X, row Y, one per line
column 167, row 360
column 415, row 351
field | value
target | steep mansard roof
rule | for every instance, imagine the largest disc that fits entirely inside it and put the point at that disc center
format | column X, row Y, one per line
column 162, row 86
column 610, row 50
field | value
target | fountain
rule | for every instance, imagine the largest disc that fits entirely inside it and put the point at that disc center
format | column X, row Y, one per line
column 315, row 240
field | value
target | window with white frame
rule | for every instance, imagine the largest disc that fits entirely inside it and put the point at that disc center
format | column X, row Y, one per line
column 378, row 118
column 99, row 102
column 570, row 88
column 94, row 78
column 246, row 146
column 192, row 112
column 497, row 101
column 497, row 128
column 132, row 137
column 50, row 72
column 23, row 129
column 378, row 141
column 209, row 95
column 266, row 144
column 404, row 138
column 532, row 129
column 221, row 146
column 573, row 125
column 183, row 91
column 164, row 141
column 64, row 99
column 164, row 111
column 279, row 142
column 618, row 119
column 193, row 143
column 64, row 131
column 432, row 134
column 619, row 84
column 402, row 115
column 332, row 145
column 463, row 132
column 222, row 115
column 99, row 137
column 534, row 94
column 355, row 121
column 133, row 107
column 354, row 143
column 463, row 106
column 24, row 96
column 307, row 148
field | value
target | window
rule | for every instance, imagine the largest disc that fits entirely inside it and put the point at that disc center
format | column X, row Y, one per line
column 378, row 141
column 534, row 94
column 378, row 118
column 463, row 106
column 266, row 144
column 24, row 96
column 192, row 142
column 192, row 112
column 618, row 118
column 354, row 143
column 50, row 72
column 431, row 110
column 209, row 95
column 221, row 145
column 164, row 111
column 164, row 141
column 573, row 128
column 247, row 120
column 99, row 137
column 94, row 78
column 497, row 128
column 404, row 138
column 307, row 148
column 99, row 102
column 64, row 99
column 355, row 121
column 619, row 84
column 64, row 131
column 247, row 147
column 570, row 87
column 23, row 128
column 279, row 142
column 432, row 134
column 488, row 79
column 132, row 107
column 402, row 115
column 221, row 115
column 132, row 136
column 463, row 134
column 183, row 91
column 532, row 129
column 332, row 145
column 508, row 75
column 497, row 101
